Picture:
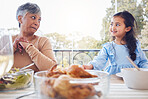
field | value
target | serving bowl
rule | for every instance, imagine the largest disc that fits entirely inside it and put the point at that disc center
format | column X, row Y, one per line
column 64, row 87
column 135, row 79
column 16, row 79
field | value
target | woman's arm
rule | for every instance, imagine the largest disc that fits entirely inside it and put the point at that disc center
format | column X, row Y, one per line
column 43, row 57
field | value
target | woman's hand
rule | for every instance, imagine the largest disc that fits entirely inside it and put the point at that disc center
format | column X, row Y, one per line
column 89, row 67
column 17, row 44
column 24, row 44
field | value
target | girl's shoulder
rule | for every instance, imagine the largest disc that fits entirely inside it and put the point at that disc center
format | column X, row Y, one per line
column 138, row 43
column 108, row 47
column 108, row 44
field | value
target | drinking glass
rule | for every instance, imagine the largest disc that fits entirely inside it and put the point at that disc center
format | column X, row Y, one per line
column 6, row 52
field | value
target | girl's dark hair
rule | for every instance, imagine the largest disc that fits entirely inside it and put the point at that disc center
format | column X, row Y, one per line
column 130, row 37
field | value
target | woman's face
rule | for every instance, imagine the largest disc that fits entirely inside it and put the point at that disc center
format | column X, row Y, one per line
column 30, row 23
column 117, row 27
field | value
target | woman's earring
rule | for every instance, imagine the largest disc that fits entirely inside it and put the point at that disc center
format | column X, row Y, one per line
column 20, row 19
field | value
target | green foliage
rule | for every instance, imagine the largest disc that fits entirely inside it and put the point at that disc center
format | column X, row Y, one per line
column 144, row 37
column 144, row 3
column 59, row 41
column 88, row 43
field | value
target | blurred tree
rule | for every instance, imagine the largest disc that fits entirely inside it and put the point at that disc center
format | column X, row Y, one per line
column 144, row 32
column 104, row 33
column 144, row 37
column 59, row 41
column 88, row 43
column 144, row 4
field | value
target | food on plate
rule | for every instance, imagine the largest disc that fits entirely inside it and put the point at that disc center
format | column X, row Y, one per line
column 69, row 90
column 16, row 79
column 65, row 83
column 77, row 72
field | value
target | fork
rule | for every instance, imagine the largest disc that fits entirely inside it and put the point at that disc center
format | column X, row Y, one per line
column 27, row 94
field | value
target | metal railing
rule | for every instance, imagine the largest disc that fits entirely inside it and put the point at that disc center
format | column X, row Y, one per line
column 78, row 56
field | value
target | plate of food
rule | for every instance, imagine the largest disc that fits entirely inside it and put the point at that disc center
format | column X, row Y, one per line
column 16, row 79
column 71, row 83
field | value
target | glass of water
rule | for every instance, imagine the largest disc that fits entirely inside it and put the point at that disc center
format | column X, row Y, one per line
column 6, row 52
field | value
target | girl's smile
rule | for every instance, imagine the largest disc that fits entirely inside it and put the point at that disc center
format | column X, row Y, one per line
column 117, row 27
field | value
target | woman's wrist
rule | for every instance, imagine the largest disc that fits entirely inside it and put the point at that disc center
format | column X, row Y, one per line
column 27, row 47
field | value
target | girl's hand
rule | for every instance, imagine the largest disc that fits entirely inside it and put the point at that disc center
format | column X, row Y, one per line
column 89, row 67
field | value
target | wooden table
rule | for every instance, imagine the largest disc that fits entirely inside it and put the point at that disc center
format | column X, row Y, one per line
column 118, row 90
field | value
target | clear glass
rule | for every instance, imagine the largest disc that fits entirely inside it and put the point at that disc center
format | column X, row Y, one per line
column 6, row 52
column 86, row 88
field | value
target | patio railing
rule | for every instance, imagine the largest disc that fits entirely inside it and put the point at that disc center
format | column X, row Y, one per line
column 78, row 56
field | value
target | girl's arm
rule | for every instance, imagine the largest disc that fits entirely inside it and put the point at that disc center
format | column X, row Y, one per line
column 99, row 61
column 143, row 61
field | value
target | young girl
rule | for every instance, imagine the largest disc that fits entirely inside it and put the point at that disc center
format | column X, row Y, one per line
column 124, row 44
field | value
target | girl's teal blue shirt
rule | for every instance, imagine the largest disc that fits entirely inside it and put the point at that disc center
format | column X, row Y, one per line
column 115, row 56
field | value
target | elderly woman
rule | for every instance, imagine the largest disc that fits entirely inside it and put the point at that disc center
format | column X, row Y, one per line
column 28, row 47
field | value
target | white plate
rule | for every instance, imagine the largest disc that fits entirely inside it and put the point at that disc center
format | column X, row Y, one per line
column 119, row 74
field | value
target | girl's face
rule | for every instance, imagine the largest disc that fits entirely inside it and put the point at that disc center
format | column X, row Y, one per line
column 30, row 23
column 117, row 27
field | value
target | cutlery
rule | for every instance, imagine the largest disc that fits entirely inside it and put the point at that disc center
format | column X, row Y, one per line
column 131, row 61
column 27, row 66
column 27, row 94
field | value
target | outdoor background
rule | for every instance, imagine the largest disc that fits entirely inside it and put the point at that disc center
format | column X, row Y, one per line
column 77, row 24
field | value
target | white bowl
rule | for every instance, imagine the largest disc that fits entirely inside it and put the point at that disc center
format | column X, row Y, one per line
column 135, row 79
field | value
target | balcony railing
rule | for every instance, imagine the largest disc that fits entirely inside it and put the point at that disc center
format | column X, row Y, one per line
column 78, row 56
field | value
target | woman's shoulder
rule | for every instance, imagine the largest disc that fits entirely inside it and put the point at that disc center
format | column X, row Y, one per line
column 42, row 41
column 42, row 38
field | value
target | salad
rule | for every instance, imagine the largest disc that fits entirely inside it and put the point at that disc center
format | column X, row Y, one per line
column 16, row 79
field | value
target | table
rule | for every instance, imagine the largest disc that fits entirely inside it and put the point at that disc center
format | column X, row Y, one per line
column 118, row 90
